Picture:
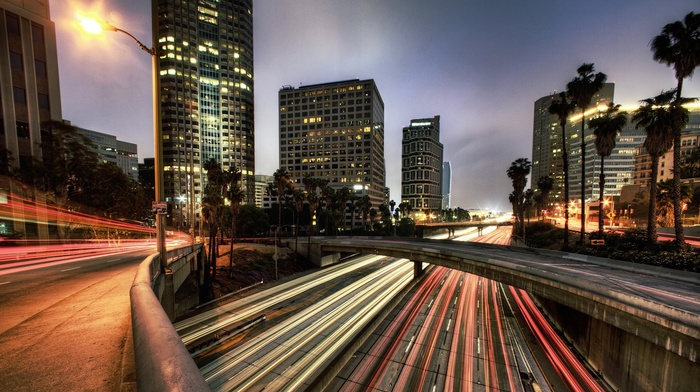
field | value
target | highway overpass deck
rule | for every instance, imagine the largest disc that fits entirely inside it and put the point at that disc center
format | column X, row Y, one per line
column 660, row 305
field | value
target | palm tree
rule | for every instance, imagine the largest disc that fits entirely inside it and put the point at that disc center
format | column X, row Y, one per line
column 212, row 203
column 581, row 90
column 329, row 195
column 544, row 186
column 405, row 209
column 352, row 205
column 343, row 195
column 605, row 129
column 236, row 196
column 281, row 182
column 678, row 46
column 365, row 207
column 299, row 197
column 562, row 108
column 657, row 116
column 518, row 172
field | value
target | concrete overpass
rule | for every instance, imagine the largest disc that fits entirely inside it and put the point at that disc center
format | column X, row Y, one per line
column 638, row 326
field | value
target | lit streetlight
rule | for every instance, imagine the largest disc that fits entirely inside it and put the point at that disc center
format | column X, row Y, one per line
column 94, row 26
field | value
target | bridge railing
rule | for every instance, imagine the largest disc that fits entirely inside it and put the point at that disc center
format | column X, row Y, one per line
column 162, row 361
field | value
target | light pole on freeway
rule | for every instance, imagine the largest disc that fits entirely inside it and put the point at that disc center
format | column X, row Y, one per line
column 94, row 26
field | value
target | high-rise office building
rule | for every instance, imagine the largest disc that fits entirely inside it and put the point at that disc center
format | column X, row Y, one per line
column 205, row 51
column 29, row 96
column 335, row 131
column 446, row 185
column 421, row 167
column 29, row 86
column 547, row 150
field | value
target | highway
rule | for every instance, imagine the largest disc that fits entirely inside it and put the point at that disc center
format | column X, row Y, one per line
column 451, row 331
column 66, row 322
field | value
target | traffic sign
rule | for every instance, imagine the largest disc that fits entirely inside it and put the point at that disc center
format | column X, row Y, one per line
column 159, row 208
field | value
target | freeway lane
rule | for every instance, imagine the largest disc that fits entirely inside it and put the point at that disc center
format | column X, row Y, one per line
column 67, row 326
column 661, row 296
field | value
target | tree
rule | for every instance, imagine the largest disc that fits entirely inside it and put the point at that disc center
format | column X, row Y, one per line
column 365, row 206
column 236, row 196
column 562, row 108
column 678, row 46
column 353, row 204
column 581, row 90
column 343, row 195
column 328, row 194
column 657, row 116
column 252, row 221
column 281, row 183
column 518, row 172
column 544, row 186
column 664, row 201
column 405, row 209
column 605, row 129
column 212, row 204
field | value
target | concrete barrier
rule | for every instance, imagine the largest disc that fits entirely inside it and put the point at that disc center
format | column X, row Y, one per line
column 162, row 362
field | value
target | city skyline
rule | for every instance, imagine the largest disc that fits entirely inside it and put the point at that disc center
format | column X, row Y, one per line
column 481, row 67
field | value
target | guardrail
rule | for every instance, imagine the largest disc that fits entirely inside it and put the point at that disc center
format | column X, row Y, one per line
column 162, row 362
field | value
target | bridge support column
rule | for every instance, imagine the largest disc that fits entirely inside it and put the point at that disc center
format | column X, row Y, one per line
column 417, row 269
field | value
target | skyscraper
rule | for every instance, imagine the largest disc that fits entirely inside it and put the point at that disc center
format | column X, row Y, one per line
column 335, row 131
column 206, row 84
column 421, row 167
column 29, row 86
column 547, row 150
column 29, row 96
column 446, row 185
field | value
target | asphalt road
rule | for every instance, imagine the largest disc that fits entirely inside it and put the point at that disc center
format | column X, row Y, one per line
column 67, row 326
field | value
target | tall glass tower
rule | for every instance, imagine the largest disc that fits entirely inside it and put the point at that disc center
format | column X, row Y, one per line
column 205, row 49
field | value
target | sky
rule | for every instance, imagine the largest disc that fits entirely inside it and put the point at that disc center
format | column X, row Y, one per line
column 478, row 64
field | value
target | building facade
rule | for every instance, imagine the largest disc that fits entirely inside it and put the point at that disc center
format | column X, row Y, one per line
column 128, row 158
column 29, row 86
column 690, row 153
column 335, row 131
column 547, row 150
column 421, row 168
column 205, row 51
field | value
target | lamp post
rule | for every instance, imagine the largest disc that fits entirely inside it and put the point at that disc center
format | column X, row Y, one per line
column 94, row 26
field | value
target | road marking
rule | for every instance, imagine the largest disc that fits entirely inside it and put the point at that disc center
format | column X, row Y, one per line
column 4, row 283
column 70, row 269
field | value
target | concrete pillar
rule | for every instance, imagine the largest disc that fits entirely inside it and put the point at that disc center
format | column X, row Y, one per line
column 417, row 269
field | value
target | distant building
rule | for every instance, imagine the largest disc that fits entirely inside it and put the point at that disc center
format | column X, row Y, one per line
column 110, row 150
column 128, row 158
column 29, row 85
column 262, row 182
column 690, row 143
column 206, row 86
column 547, row 150
column 421, row 168
column 446, row 185
column 335, row 131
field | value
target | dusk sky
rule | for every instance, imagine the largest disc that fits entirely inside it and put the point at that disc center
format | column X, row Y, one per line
column 480, row 65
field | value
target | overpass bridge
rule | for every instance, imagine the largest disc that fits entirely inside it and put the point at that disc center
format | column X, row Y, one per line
column 638, row 326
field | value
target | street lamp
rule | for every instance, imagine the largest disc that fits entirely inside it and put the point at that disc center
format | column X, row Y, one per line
column 94, row 26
